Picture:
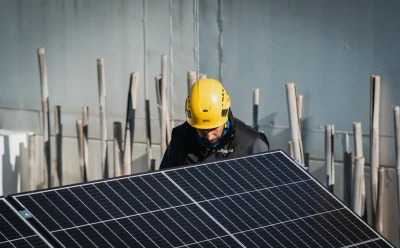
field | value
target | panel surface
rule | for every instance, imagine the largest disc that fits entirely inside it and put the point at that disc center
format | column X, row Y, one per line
column 264, row 200
column 15, row 231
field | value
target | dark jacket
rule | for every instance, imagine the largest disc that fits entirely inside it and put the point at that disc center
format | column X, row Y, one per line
column 184, row 148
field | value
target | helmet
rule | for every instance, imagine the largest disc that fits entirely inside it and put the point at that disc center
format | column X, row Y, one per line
column 207, row 105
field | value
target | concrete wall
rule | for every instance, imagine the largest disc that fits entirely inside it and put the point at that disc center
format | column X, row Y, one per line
column 131, row 36
column 329, row 49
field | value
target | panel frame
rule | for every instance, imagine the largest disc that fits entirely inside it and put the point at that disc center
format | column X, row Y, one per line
column 25, row 221
column 14, row 197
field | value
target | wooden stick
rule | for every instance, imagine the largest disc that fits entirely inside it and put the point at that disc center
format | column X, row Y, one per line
column 396, row 114
column 300, row 106
column 135, row 82
column 191, row 80
column 202, row 76
column 256, row 97
column 127, row 160
column 358, row 147
column 294, row 121
column 32, row 163
column 79, row 131
column 85, row 128
column 58, row 132
column 164, row 108
column 130, row 124
column 290, row 147
column 117, row 149
column 380, row 203
column 329, row 157
column 46, row 120
column 103, row 118
column 299, row 102
column 374, row 141
column 358, row 174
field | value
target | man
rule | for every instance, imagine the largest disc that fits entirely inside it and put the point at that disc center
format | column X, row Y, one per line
column 211, row 132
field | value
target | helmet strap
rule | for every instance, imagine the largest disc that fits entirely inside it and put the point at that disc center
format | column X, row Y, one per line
column 226, row 129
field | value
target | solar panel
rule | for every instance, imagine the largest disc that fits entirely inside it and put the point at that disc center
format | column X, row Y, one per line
column 15, row 231
column 263, row 200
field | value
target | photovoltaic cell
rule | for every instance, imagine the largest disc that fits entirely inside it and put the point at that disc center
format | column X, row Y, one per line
column 15, row 231
column 264, row 200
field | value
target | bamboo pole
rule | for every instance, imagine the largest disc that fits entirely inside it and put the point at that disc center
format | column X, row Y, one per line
column 358, row 149
column 294, row 121
column 32, row 163
column 164, row 108
column 299, row 103
column 300, row 110
column 202, row 76
column 45, row 119
column 191, row 80
column 396, row 113
column 358, row 174
column 130, row 124
column 79, row 130
column 256, row 100
column 103, row 118
column 290, row 147
column 374, row 141
column 117, row 149
column 380, row 203
column 58, row 132
column 85, row 129
column 329, row 157
column 127, row 160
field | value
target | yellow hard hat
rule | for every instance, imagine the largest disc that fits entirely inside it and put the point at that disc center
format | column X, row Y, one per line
column 207, row 105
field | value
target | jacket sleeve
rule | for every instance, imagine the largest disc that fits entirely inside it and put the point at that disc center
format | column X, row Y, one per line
column 259, row 146
column 168, row 158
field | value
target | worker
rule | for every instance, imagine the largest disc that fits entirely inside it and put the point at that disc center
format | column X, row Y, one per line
column 210, row 132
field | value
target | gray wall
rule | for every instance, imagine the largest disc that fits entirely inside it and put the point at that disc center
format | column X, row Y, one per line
column 75, row 34
column 328, row 48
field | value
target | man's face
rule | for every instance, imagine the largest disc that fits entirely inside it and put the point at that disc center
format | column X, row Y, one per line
column 211, row 136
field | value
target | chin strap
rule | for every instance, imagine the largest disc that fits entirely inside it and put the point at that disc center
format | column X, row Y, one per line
column 202, row 143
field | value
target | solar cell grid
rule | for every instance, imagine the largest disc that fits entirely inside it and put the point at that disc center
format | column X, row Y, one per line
column 254, row 201
column 15, row 232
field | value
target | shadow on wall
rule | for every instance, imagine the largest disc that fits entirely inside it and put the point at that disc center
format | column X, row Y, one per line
column 140, row 164
column 278, row 138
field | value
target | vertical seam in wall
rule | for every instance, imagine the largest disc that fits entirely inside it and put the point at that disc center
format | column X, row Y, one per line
column 146, row 90
column 196, row 36
column 220, row 44
column 171, row 64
